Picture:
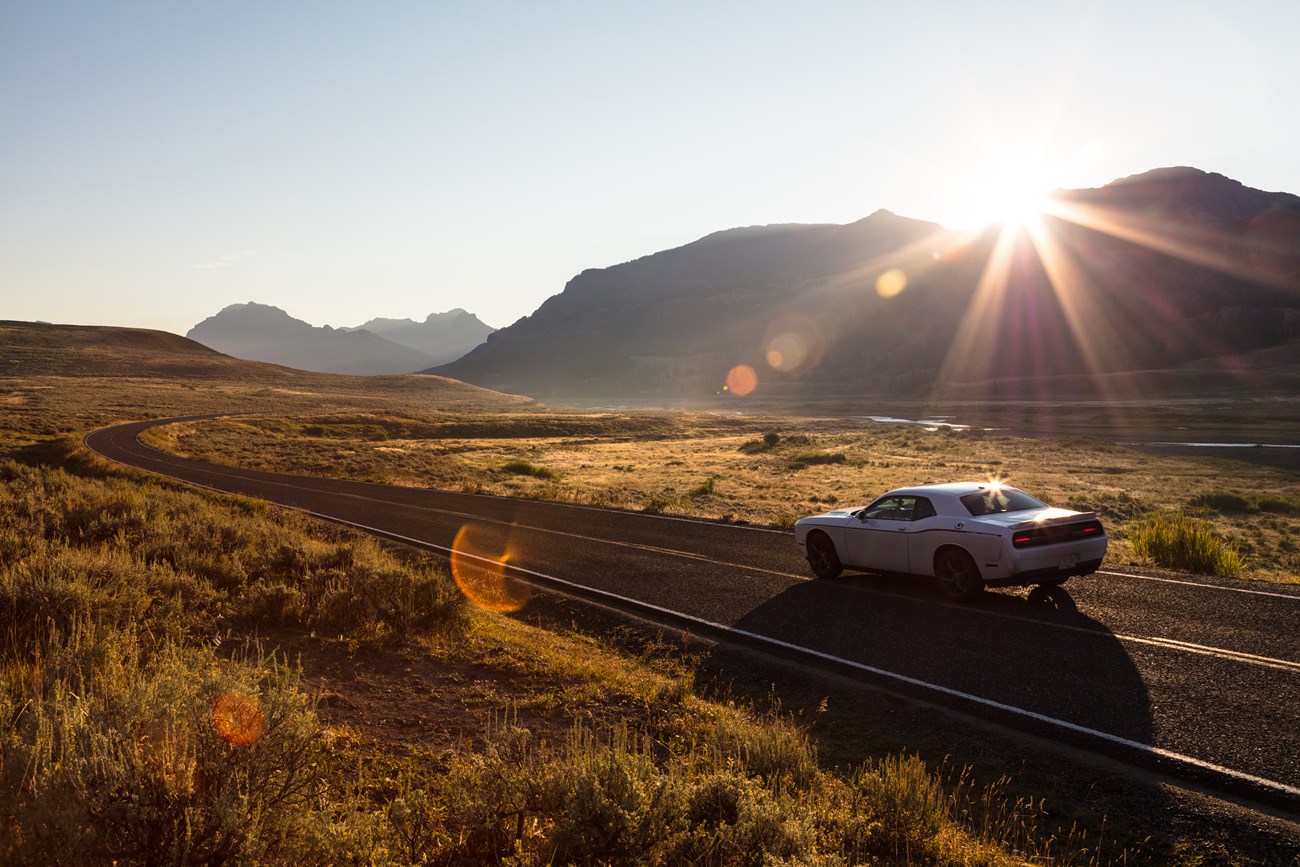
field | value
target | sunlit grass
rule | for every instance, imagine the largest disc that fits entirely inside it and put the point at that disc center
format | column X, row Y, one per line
column 1180, row 542
column 128, row 729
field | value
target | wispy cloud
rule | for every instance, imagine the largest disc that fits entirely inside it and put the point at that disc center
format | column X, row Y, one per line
column 227, row 260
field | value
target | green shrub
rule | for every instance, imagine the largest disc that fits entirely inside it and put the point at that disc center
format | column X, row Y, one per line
column 183, row 759
column 603, row 799
column 1117, row 507
column 655, row 505
column 1180, row 542
column 1278, row 505
column 769, row 441
column 1227, row 502
column 524, row 468
column 702, row 490
column 909, row 802
column 164, row 563
column 48, row 594
column 808, row 459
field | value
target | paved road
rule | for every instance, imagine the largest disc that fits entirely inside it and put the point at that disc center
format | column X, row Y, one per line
column 1198, row 677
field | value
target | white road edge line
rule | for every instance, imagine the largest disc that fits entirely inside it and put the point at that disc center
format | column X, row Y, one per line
column 1291, row 596
column 839, row 660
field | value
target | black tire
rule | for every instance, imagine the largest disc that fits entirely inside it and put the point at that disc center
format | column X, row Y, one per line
column 959, row 577
column 822, row 556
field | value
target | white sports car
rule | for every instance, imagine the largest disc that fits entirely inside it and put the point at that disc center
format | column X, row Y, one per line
column 968, row 535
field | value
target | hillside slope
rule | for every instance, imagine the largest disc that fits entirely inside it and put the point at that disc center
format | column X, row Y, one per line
column 44, row 349
column 35, row 351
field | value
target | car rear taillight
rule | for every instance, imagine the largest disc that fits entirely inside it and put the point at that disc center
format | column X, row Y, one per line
column 1053, row 533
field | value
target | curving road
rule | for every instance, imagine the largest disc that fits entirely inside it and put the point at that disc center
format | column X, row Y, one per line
column 1196, row 677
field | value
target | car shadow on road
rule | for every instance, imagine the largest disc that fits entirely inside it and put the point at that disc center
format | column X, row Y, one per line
column 1020, row 657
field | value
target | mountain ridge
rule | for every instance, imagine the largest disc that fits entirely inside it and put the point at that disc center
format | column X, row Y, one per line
column 1150, row 272
column 442, row 336
column 261, row 332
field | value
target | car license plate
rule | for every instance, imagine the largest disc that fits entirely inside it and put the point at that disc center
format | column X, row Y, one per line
column 1068, row 562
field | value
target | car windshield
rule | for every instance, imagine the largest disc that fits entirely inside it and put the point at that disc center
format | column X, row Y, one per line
column 999, row 500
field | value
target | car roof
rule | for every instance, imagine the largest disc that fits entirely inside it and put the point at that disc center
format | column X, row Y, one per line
column 956, row 489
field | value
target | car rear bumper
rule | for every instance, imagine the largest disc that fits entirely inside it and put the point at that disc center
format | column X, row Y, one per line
column 1033, row 576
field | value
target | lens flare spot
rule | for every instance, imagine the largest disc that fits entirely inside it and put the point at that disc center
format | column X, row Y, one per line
column 786, row 352
column 891, row 283
column 741, row 380
column 478, row 564
column 238, row 719
column 793, row 343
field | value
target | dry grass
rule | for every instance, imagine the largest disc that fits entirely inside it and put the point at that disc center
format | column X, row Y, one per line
column 126, row 737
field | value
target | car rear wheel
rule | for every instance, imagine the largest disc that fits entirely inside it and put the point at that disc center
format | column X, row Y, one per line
column 822, row 557
column 959, row 577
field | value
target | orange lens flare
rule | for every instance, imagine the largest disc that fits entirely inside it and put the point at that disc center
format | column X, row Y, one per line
column 891, row 283
column 793, row 343
column 478, row 564
column 741, row 380
column 238, row 719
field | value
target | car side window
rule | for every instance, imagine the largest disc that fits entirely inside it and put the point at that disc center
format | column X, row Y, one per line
column 924, row 509
column 897, row 509
column 900, row 509
column 887, row 509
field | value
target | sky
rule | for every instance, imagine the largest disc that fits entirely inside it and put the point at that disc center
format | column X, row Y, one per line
column 343, row 161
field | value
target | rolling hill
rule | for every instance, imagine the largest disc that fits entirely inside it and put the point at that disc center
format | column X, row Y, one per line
column 45, row 349
column 36, row 350
column 1142, row 284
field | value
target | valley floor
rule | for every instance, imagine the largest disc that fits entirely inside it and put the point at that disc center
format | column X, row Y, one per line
column 439, row 732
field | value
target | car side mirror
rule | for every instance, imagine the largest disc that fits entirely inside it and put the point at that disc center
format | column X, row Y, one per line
column 862, row 516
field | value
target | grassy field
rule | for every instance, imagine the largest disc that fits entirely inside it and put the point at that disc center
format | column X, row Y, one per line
column 772, row 470
column 151, row 713
column 191, row 677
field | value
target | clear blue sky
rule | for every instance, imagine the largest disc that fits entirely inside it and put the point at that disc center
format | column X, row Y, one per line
column 159, row 161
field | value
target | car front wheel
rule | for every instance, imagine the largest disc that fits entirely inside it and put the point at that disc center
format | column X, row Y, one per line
column 822, row 557
column 959, row 577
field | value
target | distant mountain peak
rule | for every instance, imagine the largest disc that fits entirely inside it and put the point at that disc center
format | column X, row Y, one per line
column 261, row 332
column 1184, row 193
column 453, row 312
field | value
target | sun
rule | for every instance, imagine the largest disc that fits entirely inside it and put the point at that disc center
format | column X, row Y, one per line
column 1019, row 204
column 1012, row 192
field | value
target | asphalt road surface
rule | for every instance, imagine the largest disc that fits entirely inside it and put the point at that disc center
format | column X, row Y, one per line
column 1196, row 677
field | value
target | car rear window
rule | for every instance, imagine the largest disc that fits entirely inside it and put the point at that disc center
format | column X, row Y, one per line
column 999, row 500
